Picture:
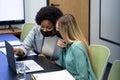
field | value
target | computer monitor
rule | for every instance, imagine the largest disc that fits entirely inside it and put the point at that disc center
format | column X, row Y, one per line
column 12, row 12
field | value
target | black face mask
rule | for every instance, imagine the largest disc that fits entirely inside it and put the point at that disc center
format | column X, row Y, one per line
column 58, row 34
column 47, row 33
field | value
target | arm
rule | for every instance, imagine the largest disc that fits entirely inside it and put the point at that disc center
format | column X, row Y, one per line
column 61, row 57
column 80, row 63
column 26, row 45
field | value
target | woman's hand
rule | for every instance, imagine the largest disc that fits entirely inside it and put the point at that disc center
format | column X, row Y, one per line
column 18, row 52
column 61, row 43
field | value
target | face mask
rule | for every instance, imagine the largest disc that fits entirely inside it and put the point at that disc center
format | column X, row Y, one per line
column 47, row 33
column 58, row 34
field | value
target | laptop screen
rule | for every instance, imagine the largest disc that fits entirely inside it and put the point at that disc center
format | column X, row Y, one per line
column 32, row 66
column 10, row 56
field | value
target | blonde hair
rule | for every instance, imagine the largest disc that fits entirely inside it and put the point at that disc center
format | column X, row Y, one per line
column 70, row 31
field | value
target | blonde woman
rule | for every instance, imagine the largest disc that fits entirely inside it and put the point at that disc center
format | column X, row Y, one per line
column 74, row 55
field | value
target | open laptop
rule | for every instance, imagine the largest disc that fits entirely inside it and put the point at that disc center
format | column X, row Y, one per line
column 31, row 65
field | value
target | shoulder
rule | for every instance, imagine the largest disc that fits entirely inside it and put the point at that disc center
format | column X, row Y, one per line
column 36, row 28
column 78, row 48
column 76, row 45
column 35, row 32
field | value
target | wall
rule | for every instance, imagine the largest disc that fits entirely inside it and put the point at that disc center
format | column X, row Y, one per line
column 32, row 7
column 94, row 31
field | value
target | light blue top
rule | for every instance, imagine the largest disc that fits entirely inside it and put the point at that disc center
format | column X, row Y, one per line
column 34, row 41
column 74, row 58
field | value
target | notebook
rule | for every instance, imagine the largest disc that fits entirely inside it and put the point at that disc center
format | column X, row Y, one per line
column 31, row 65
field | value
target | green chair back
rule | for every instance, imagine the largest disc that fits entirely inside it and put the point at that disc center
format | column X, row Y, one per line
column 99, row 57
column 115, row 71
column 25, row 30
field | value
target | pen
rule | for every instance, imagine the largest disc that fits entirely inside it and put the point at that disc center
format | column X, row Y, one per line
column 32, row 76
column 1, row 52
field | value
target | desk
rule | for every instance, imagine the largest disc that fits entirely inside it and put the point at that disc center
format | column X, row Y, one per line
column 6, row 72
column 17, row 31
column 8, row 37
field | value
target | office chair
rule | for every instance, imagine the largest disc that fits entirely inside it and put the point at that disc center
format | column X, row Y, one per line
column 99, row 58
column 115, row 71
column 26, row 28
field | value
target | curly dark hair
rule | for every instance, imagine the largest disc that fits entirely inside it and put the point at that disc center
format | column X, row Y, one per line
column 48, row 13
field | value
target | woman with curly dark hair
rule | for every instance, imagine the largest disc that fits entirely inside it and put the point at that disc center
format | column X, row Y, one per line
column 42, row 39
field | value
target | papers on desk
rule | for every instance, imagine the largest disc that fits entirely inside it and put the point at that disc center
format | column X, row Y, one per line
column 56, row 75
column 32, row 65
column 3, row 50
column 13, row 43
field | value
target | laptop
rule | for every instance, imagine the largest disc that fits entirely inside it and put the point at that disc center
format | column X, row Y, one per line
column 31, row 65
